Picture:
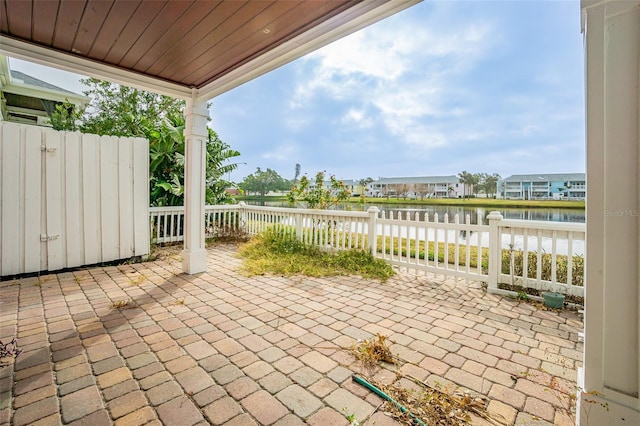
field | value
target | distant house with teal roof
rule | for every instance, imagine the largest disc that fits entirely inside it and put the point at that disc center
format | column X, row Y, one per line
column 544, row 186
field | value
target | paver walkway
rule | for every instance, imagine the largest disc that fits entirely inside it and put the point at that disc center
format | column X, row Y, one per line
column 221, row 348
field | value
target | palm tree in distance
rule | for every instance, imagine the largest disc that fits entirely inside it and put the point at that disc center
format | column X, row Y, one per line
column 467, row 179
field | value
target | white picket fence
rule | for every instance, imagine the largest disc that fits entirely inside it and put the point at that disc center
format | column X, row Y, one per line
column 419, row 242
column 70, row 199
column 495, row 251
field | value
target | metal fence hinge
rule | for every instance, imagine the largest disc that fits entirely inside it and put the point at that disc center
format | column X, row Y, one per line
column 46, row 237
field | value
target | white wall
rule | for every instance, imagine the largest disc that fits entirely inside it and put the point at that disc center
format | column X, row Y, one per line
column 68, row 199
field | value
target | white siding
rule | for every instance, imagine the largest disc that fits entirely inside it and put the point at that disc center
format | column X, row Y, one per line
column 85, row 196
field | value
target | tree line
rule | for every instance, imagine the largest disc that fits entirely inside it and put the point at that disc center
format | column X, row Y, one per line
column 261, row 182
column 474, row 183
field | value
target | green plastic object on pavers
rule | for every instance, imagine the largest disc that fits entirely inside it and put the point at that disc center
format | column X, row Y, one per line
column 381, row 394
column 553, row 300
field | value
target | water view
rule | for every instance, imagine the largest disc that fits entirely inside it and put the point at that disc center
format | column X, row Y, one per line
column 400, row 211
column 547, row 214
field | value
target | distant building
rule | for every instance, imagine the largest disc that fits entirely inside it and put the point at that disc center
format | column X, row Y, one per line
column 544, row 186
column 417, row 187
column 27, row 100
column 354, row 187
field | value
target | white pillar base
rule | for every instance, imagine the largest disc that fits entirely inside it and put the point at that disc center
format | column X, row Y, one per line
column 194, row 261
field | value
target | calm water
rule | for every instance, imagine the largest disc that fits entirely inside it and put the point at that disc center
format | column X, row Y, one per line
column 557, row 215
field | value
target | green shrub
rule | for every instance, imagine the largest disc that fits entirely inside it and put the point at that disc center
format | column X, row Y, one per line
column 577, row 266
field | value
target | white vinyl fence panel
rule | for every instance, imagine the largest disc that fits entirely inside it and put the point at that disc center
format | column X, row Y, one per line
column 549, row 255
column 69, row 199
column 419, row 242
column 498, row 252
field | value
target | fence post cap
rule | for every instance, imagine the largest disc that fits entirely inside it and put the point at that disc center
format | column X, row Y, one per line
column 494, row 215
column 242, row 203
column 373, row 209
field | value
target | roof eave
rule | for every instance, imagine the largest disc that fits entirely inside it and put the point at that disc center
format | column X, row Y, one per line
column 51, row 58
column 26, row 89
column 357, row 17
column 341, row 25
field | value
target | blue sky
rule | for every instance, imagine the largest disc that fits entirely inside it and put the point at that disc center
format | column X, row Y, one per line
column 442, row 87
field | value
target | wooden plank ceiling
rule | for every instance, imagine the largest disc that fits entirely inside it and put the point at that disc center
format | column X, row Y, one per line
column 190, row 43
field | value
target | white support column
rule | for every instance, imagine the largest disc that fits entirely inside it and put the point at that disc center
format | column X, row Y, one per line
column 495, row 251
column 372, row 227
column 194, row 255
column 612, row 293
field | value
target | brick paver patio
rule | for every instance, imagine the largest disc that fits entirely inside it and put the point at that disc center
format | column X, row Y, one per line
column 221, row 348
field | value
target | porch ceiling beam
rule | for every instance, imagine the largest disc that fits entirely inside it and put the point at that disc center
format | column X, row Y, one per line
column 51, row 58
column 36, row 92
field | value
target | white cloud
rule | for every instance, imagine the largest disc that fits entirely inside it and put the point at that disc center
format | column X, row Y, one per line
column 296, row 122
column 358, row 117
column 401, row 77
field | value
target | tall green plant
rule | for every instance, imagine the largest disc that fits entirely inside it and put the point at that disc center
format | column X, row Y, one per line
column 166, row 162
column 166, row 150
column 318, row 194
column 66, row 117
column 219, row 164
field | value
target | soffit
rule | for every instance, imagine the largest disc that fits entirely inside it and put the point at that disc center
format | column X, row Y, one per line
column 184, row 45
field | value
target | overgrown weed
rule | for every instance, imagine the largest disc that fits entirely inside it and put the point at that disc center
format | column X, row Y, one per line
column 177, row 302
column 123, row 304
column 372, row 351
column 434, row 405
column 282, row 254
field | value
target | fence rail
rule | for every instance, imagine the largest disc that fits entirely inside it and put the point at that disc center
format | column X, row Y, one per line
column 166, row 224
column 543, row 256
column 507, row 254
column 416, row 242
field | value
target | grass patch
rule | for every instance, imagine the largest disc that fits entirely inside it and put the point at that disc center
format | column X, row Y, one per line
column 400, row 246
column 282, row 254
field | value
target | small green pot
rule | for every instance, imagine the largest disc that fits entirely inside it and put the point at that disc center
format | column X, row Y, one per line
column 553, row 300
